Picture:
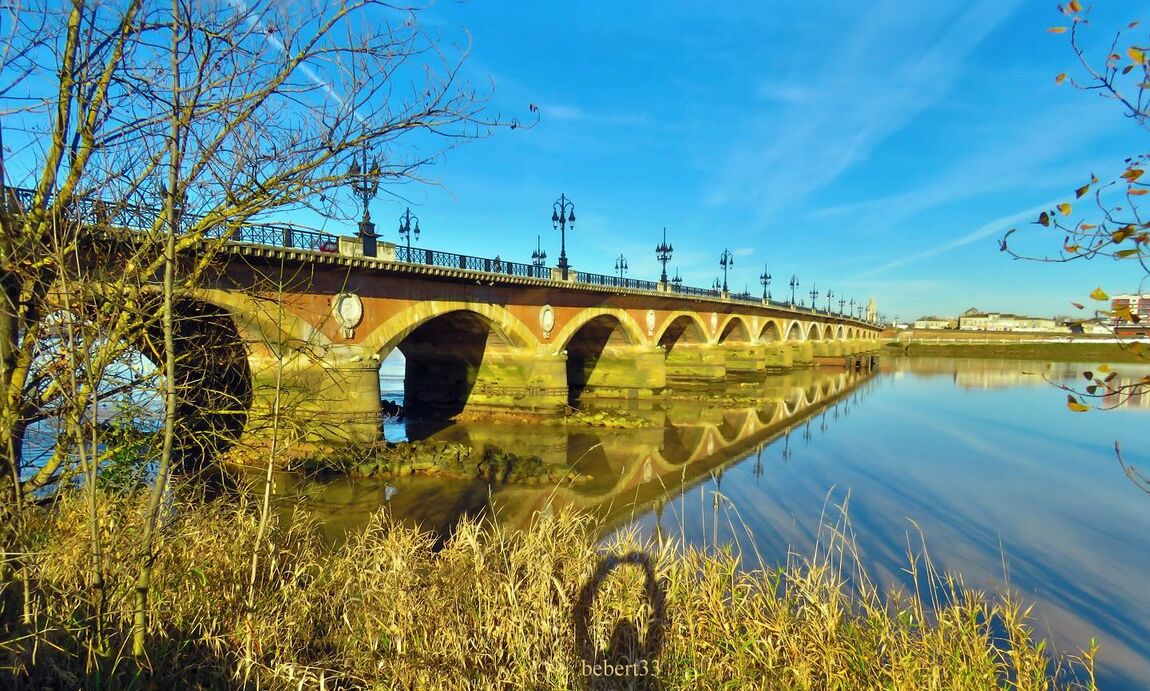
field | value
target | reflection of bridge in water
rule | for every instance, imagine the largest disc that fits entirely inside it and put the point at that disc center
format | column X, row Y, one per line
column 623, row 469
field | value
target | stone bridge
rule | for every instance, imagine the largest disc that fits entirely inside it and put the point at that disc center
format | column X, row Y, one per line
column 317, row 322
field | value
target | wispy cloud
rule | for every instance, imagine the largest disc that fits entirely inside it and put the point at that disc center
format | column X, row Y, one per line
column 894, row 65
column 996, row 227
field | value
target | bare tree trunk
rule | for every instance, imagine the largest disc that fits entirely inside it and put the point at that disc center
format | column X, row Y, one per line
column 144, row 581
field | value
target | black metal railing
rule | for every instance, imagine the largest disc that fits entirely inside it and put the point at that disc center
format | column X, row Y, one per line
column 615, row 281
column 139, row 217
column 419, row 255
column 700, row 292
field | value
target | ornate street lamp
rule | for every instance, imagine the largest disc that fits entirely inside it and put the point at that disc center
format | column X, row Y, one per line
column 765, row 279
column 677, row 281
column 716, row 286
column 663, row 253
column 830, row 294
column 406, row 230
column 842, row 301
column 538, row 256
column 563, row 214
column 726, row 260
column 621, row 266
column 365, row 184
column 794, row 284
column 852, row 310
column 814, row 296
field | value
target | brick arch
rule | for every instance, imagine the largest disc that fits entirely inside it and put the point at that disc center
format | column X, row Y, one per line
column 813, row 333
column 828, row 332
column 630, row 327
column 265, row 321
column 839, row 332
column 771, row 332
column 695, row 328
column 735, row 329
column 389, row 334
column 795, row 332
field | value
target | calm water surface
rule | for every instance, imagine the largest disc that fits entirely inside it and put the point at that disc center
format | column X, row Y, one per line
column 1009, row 488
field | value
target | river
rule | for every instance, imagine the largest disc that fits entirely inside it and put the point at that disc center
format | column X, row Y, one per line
column 979, row 459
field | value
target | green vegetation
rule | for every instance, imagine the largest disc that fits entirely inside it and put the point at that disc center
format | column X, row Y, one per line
column 491, row 609
column 1021, row 350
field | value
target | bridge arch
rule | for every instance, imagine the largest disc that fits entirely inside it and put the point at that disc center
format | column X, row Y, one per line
column 839, row 331
column 456, row 353
column 771, row 332
column 828, row 332
column 795, row 332
column 734, row 329
column 630, row 328
column 813, row 333
column 389, row 334
column 681, row 328
column 587, row 339
column 265, row 321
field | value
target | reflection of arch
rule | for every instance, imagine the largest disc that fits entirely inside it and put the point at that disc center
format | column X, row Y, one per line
column 681, row 328
column 768, row 413
column 813, row 333
column 629, row 327
column 771, row 332
column 389, row 334
column 793, row 402
column 734, row 329
column 795, row 333
column 680, row 444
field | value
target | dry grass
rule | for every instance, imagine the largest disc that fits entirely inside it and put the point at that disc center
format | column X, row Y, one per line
column 495, row 609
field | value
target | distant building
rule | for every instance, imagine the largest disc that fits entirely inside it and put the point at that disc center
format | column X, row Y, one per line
column 1130, row 314
column 974, row 320
column 935, row 323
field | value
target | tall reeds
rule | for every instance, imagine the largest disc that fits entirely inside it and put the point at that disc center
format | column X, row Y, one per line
column 498, row 609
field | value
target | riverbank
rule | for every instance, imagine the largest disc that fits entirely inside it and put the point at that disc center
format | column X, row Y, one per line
column 543, row 608
column 1015, row 346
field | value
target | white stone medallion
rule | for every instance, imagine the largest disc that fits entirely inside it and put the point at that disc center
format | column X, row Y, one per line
column 650, row 323
column 715, row 323
column 347, row 309
column 546, row 320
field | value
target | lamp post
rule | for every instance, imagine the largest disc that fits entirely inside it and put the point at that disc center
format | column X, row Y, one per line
column 621, row 266
column 726, row 260
column 677, row 281
column 663, row 253
column 716, row 286
column 842, row 301
column 814, row 296
column 830, row 294
column 405, row 229
column 563, row 213
column 794, row 284
column 852, row 310
column 765, row 279
column 365, row 184
column 538, row 257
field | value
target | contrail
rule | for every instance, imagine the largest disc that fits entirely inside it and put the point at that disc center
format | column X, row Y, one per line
column 996, row 226
column 255, row 24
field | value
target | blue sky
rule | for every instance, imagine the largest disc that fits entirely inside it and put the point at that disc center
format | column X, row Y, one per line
column 877, row 149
